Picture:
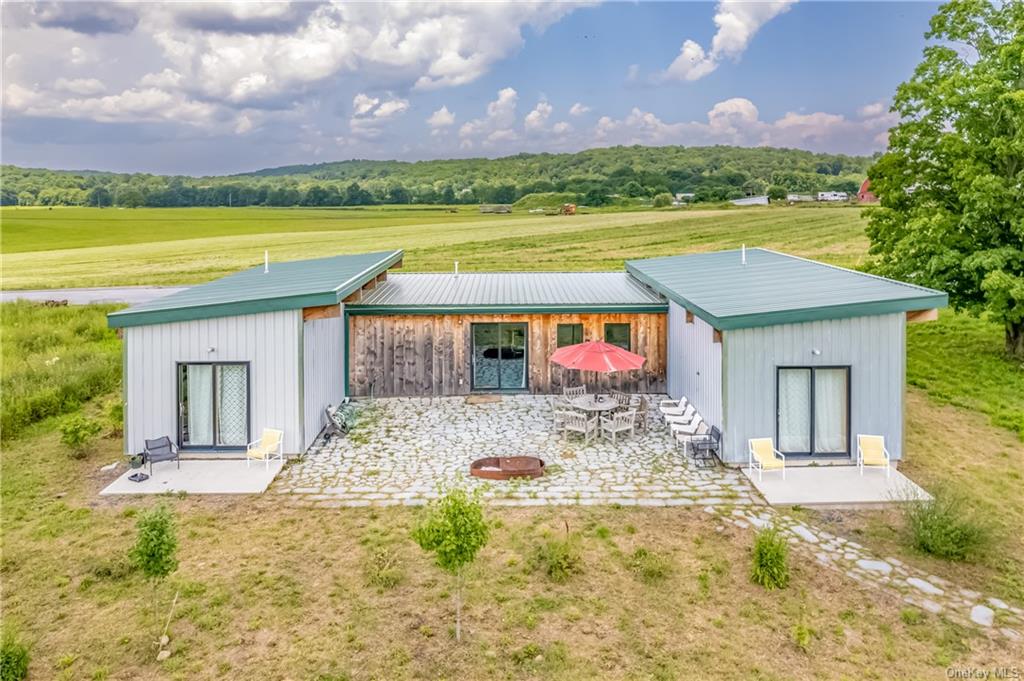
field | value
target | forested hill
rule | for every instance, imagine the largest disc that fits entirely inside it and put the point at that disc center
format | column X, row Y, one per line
column 595, row 176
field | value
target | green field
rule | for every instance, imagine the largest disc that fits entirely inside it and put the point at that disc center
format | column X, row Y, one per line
column 69, row 247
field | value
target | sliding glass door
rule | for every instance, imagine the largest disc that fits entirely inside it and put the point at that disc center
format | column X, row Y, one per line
column 213, row 405
column 499, row 356
column 813, row 410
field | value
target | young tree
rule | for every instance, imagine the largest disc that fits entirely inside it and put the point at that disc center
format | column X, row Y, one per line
column 155, row 546
column 951, row 213
column 454, row 530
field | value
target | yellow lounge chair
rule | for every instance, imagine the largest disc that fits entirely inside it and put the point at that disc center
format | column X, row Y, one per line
column 269, row 446
column 764, row 456
column 871, row 451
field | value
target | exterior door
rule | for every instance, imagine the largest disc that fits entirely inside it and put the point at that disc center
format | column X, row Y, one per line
column 213, row 405
column 499, row 356
column 813, row 416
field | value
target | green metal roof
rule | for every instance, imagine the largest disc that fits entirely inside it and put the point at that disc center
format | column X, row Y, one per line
column 514, row 292
column 286, row 286
column 775, row 288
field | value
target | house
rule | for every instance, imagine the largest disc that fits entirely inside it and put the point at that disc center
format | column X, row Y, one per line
column 751, row 201
column 768, row 344
column 864, row 194
column 833, row 196
column 763, row 343
column 799, row 198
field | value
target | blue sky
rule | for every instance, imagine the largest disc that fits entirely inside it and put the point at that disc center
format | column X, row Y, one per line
column 219, row 88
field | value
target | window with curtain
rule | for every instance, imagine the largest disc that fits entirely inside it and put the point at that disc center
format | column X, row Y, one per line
column 569, row 334
column 814, row 410
column 213, row 405
column 617, row 334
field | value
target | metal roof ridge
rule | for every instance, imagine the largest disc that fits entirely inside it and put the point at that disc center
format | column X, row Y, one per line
column 398, row 252
column 462, row 272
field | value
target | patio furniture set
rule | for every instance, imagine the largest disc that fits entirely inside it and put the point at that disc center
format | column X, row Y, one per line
column 610, row 416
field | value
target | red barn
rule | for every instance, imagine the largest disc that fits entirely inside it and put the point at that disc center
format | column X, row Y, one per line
column 865, row 195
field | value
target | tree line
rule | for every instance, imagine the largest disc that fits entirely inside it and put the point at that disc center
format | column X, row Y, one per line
column 596, row 176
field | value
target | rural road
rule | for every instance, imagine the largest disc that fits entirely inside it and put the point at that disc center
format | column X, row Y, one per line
column 84, row 296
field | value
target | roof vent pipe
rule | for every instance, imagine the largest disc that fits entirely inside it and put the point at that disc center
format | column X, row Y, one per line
column 456, row 268
column 266, row 261
column 743, row 254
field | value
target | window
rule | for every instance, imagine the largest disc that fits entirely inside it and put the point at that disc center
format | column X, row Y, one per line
column 617, row 334
column 569, row 334
column 213, row 405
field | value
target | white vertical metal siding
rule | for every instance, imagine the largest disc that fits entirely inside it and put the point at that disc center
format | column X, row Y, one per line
column 874, row 348
column 695, row 364
column 323, row 375
column 268, row 341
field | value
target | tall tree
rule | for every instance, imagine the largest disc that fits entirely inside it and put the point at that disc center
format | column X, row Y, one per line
column 952, row 182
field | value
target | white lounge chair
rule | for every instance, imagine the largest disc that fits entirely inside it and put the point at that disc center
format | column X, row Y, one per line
column 764, row 456
column 672, row 407
column 687, row 416
column 871, row 451
column 269, row 446
column 621, row 422
column 684, row 432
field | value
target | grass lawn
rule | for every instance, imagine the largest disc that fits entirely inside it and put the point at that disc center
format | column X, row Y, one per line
column 187, row 253
column 273, row 591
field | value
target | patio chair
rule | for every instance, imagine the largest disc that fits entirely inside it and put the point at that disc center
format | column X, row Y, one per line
column 688, row 415
column 624, row 400
column 684, row 432
column 764, row 456
column 574, row 392
column 578, row 422
column 562, row 417
column 160, row 449
column 641, row 414
column 871, row 451
column 704, row 448
column 620, row 422
column 269, row 446
column 673, row 407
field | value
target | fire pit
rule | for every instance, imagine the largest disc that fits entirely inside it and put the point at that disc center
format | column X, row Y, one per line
column 507, row 467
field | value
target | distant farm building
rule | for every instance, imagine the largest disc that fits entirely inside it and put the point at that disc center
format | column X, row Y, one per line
column 833, row 196
column 751, row 201
column 865, row 195
column 682, row 197
column 798, row 198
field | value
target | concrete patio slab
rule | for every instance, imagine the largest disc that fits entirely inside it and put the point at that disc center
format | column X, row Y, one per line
column 835, row 486
column 200, row 476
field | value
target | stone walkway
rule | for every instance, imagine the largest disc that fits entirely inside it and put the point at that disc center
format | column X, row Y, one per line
column 402, row 449
column 928, row 592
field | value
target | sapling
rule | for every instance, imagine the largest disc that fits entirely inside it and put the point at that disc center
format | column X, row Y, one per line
column 454, row 530
column 155, row 547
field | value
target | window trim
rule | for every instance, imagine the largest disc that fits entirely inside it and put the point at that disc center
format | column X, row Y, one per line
column 248, row 406
column 849, row 410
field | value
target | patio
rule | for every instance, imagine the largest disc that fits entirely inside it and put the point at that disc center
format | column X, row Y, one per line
column 835, row 486
column 199, row 476
column 403, row 449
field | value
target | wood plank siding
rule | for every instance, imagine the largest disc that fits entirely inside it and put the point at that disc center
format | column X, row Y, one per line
column 408, row 355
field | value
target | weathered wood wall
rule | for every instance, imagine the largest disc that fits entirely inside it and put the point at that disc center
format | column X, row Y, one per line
column 432, row 354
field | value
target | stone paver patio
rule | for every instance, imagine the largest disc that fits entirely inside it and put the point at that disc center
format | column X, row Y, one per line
column 402, row 449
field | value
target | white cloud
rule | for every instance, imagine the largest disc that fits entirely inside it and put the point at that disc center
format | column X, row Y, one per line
column 80, row 56
column 873, row 109
column 561, row 128
column 501, row 116
column 738, row 21
column 536, row 119
column 442, row 118
column 363, row 104
column 79, row 86
column 578, row 109
column 243, row 125
column 391, row 108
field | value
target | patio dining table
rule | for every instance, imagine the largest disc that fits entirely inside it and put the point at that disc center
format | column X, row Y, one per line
column 595, row 403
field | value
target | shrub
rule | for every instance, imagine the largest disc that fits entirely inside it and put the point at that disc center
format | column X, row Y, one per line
column 944, row 526
column 13, row 658
column 77, row 433
column 662, row 200
column 115, row 414
column 155, row 544
column 771, row 560
column 558, row 558
column 802, row 635
column 650, row 567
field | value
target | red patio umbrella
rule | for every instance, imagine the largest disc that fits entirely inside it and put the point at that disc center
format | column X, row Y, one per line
column 597, row 356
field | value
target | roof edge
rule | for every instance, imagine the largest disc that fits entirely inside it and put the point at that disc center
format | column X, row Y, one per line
column 383, row 310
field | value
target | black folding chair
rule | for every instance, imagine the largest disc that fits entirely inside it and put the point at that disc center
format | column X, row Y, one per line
column 161, row 449
column 704, row 448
